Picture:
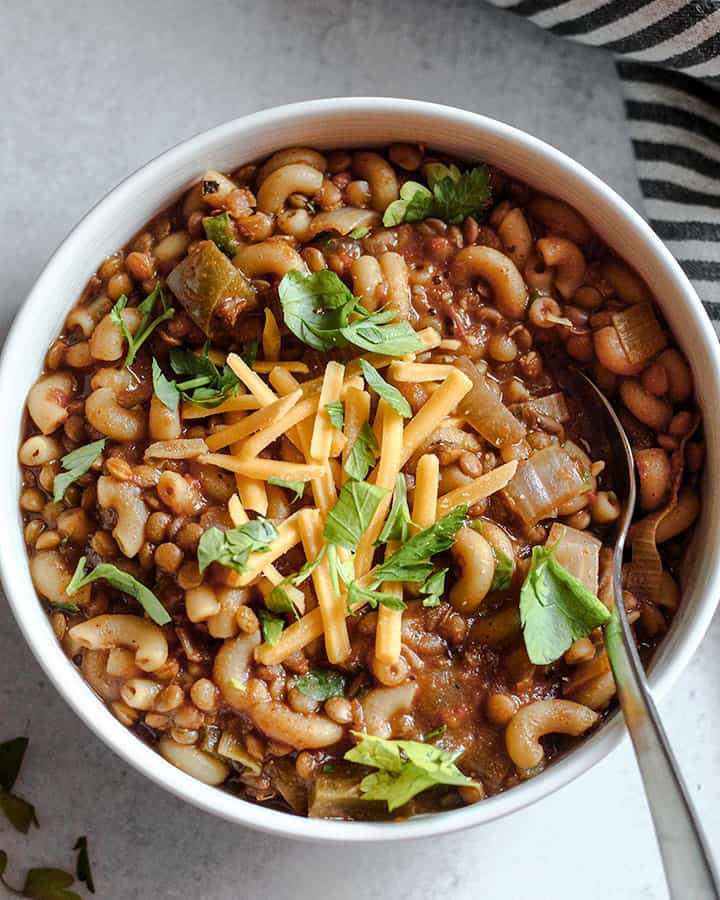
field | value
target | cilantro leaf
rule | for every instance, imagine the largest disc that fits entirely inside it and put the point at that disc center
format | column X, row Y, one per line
column 148, row 324
column 272, row 627
column 406, row 768
column 336, row 414
column 451, row 196
column 122, row 581
column 397, row 525
column 349, row 519
column 76, row 464
column 434, row 588
column 555, row 608
column 318, row 308
column 361, row 457
column 373, row 598
column 219, row 230
column 233, row 547
column 208, row 385
column 278, row 601
column 49, row 884
column 298, row 487
column 166, row 391
column 321, row 684
column 83, row 871
column 390, row 394
column 411, row 561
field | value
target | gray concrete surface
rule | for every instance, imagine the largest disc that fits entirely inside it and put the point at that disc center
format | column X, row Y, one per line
column 90, row 91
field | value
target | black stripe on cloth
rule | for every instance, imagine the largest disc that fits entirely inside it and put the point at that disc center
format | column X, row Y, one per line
column 701, row 269
column 662, row 114
column 597, row 18
column 635, row 71
column 675, row 193
column 661, row 30
column 700, row 53
column 713, row 310
column 686, row 231
column 533, row 7
column 651, row 151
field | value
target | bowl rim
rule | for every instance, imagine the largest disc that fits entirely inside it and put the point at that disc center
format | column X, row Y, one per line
column 93, row 711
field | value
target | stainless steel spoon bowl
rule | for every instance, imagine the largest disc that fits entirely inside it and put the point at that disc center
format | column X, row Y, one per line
column 688, row 865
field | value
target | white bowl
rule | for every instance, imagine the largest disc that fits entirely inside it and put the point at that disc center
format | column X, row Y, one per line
column 324, row 124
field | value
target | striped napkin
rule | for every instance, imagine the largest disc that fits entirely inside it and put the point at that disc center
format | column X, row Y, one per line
column 669, row 63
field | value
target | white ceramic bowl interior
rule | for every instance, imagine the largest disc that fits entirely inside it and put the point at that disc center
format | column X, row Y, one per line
column 345, row 123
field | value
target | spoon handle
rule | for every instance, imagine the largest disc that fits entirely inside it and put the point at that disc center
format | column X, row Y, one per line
column 687, row 862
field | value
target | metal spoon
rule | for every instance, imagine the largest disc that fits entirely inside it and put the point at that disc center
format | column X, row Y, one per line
column 689, row 869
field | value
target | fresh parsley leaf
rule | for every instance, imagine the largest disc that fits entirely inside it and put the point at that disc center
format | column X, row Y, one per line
column 397, row 525
column 361, row 457
column 298, row 487
column 49, row 884
column 250, row 352
column 122, row 581
column 83, row 871
column 308, row 568
column 207, row 385
column 503, row 571
column 321, row 684
column 360, row 232
column 232, row 548
column 411, row 561
column 148, row 324
column 390, row 394
column 373, row 598
column 555, row 608
column 406, row 768
column 336, row 414
column 434, row 588
column 272, row 627
column 166, row 391
column 452, row 196
column 76, row 464
column 349, row 519
column 12, row 754
column 278, row 601
column 219, row 230
column 318, row 310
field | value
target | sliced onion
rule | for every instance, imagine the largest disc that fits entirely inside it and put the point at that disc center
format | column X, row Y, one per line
column 484, row 410
column 544, row 482
column 578, row 551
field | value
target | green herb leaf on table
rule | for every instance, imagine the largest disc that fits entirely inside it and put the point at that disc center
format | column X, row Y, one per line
column 206, row 384
column 336, row 414
column 397, row 525
column 12, row 754
column 390, row 394
column 321, row 684
column 233, row 547
column 434, row 588
column 83, row 870
column 121, row 581
column 373, row 598
column 148, row 324
column 451, row 196
column 17, row 811
column 406, row 768
column 278, row 601
column 165, row 390
column 297, row 487
column 318, row 308
column 272, row 627
column 555, row 608
column 349, row 519
column 49, row 884
column 219, row 230
column 411, row 561
column 361, row 457
column 75, row 465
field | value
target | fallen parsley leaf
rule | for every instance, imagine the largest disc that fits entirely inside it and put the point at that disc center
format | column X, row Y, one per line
column 76, row 464
column 503, row 571
column 349, row 519
column 233, row 547
column 373, row 598
column 434, row 588
column 406, row 768
column 336, row 414
column 83, row 871
column 308, row 568
column 207, row 385
column 361, row 457
column 298, row 487
column 122, row 581
column 219, row 230
column 390, row 394
column 17, row 811
column 272, row 627
column 148, row 324
column 166, row 391
column 49, row 884
column 555, row 608
column 397, row 525
column 321, row 684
